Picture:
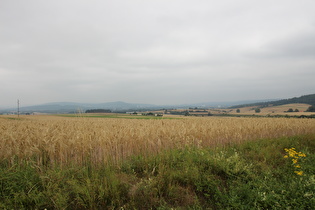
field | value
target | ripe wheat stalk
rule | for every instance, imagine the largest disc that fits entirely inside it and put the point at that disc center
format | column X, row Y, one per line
column 63, row 141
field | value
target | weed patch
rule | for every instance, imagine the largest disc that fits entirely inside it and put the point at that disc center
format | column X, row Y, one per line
column 258, row 174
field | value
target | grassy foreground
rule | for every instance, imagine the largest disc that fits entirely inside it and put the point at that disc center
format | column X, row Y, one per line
column 262, row 174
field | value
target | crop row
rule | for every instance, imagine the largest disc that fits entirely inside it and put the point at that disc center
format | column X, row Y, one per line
column 49, row 140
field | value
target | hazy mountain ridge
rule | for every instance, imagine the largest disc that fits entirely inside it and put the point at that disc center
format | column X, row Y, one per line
column 120, row 106
column 66, row 107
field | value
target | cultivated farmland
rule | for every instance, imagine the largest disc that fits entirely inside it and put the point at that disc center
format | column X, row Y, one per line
column 51, row 140
column 110, row 162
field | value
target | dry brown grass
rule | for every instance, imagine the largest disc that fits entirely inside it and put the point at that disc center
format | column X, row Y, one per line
column 274, row 110
column 63, row 141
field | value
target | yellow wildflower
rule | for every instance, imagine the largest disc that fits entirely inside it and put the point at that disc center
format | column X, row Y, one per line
column 295, row 157
column 300, row 173
column 301, row 154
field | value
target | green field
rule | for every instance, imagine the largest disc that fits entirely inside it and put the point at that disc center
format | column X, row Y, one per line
column 54, row 162
column 252, row 175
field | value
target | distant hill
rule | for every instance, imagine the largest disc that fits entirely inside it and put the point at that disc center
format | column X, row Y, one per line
column 225, row 104
column 305, row 99
column 118, row 106
column 71, row 107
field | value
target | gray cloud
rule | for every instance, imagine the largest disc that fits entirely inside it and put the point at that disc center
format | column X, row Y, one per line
column 155, row 51
column 299, row 46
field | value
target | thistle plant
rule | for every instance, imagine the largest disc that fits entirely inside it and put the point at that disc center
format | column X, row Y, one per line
column 296, row 159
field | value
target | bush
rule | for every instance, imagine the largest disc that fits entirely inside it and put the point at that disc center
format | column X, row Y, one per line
column 311, row 109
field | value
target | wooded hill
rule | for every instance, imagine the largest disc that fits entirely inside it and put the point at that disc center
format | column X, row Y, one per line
column 306, row 99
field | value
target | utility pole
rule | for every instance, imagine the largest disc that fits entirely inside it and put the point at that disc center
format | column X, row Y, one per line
column 18, row 106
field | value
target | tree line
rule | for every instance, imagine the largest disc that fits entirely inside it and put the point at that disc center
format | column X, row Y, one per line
column 98, row 111
column 306, row 99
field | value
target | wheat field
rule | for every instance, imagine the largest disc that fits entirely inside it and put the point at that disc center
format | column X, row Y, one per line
column 52, row 140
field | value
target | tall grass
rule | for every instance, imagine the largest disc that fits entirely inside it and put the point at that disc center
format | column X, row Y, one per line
column 250, row 175
column 49, row 140
column 198, row 163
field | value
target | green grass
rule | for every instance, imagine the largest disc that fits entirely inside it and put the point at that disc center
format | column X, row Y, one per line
column 253, row 175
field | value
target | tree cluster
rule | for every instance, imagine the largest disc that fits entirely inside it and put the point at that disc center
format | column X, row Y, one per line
column 291, row 110
column 98, row 111
column 311, row 109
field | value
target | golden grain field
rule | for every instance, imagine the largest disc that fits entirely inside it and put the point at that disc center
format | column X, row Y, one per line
column 63, row 141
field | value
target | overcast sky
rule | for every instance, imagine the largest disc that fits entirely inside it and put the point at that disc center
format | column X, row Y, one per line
column 155, row 51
